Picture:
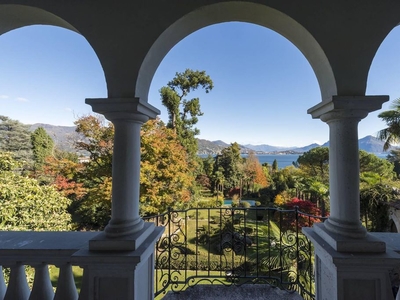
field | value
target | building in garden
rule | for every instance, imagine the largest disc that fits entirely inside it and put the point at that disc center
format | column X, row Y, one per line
column 338, row 38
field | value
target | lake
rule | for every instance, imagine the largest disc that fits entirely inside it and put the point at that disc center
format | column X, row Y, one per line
column 284, row 160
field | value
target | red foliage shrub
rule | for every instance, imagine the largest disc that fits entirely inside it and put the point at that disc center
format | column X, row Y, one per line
column 307, row 214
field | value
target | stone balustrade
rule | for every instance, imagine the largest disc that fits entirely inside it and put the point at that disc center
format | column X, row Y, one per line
column 39, row 250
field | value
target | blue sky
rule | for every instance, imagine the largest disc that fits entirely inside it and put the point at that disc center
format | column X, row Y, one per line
column 263, row 84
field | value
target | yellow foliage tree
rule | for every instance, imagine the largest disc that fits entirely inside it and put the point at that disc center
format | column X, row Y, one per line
column 279, row 200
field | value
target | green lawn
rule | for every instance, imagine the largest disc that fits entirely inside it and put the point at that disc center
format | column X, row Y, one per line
column 77, row 271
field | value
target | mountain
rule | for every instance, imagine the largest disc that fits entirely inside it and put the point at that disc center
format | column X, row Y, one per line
column 369, row 143
column 266, row 148
column 306, row 148
column 209, row 148
column 63, row 136
column 213, row 147
column 220, row 143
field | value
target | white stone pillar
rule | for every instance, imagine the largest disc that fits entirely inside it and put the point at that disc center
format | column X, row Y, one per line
column 343, row 114
column 127, row 115
column 119, row 263
column 350, row 263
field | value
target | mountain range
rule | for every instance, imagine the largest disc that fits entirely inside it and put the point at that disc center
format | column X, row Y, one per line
column 369, row 143
column 63, row 136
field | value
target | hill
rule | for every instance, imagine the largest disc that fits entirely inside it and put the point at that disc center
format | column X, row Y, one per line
column 369, row 143
column 63, row 136
column 266, row 148
column 209, row 148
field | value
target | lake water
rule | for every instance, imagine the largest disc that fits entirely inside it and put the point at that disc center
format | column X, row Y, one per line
column 283, row 160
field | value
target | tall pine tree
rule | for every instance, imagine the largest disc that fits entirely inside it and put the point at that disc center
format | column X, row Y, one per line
column 43, row 146
column 16, row 138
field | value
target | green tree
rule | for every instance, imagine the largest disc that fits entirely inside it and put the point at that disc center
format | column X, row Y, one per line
column 394, row 158
column 390, row 134
column 27, row 205
column 183, row 113
column 16, row 138
column 374, row 205
column 315, row 162
column 274, row 165
column 42, row 146
column 231, row 162
column 381, row 167
column 377, row 189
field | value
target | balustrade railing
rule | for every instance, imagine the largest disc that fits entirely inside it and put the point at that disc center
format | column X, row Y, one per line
column 234, row 246
column 39, row 250
column 230, row 246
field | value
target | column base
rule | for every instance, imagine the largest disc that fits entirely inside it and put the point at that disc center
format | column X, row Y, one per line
column 352, row 230
column 349, row 276
column 341, row 243
column 122, row 229
column 102, row 242
column 117, row 274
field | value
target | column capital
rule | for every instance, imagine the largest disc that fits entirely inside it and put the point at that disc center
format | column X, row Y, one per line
column 123, row 108
column 347, row 106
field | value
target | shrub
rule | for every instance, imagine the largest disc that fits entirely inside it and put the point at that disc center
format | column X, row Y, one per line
column 244, row 204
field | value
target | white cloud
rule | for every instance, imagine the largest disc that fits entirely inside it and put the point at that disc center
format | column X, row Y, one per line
column 3, row 97
column 20, row 99
column 68, row 109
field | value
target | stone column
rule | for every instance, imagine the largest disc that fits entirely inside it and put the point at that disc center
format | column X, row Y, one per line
column 343, row 114
column 119, row 263
column 350, row 263
column 127, row 115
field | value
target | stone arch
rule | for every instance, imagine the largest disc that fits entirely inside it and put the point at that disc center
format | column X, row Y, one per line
column 243, row 12
column 17, row 16
column 377, row 44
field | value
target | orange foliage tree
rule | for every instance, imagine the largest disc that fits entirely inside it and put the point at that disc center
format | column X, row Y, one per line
column 166, row 177
column 253, row 172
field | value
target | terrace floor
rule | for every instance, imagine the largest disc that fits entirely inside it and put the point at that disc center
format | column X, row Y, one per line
column 249, row 291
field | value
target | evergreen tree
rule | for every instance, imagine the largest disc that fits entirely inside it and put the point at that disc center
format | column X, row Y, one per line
column 16, row 138
column 43, row 146
column 274, row 165
column 232, row 164
column 184, row 113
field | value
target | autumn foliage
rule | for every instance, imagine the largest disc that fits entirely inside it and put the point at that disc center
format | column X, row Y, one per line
column 307, row 216
column 165, row 175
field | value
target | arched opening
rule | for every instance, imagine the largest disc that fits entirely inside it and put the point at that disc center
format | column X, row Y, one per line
column 48, row 71
column 242, row 12
column 263, row 86
column 383, row 79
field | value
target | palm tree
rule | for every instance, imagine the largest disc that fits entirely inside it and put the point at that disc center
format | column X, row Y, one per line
column 390, row 134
